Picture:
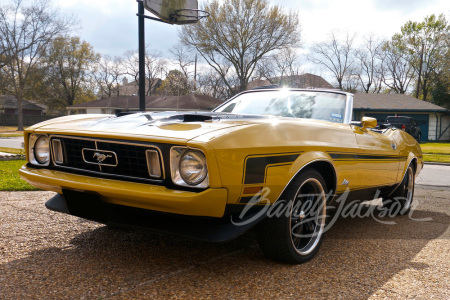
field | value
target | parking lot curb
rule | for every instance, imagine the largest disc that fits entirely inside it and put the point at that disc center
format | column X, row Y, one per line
column 437, row 163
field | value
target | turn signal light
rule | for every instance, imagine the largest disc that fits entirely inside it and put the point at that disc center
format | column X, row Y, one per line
column 252, row 189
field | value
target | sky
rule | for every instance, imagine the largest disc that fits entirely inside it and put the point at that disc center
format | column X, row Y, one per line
column 111, row 26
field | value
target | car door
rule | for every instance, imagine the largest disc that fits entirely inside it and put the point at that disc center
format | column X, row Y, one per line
column 378, row 161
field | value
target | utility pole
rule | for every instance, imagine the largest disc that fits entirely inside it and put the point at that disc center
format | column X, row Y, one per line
column 141, row 33
column 420, row 71
column 195, row 73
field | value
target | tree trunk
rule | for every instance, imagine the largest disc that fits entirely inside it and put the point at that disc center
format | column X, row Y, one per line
column 19, row 112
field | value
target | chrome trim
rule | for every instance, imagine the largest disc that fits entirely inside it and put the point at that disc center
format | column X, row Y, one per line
column 53, row 142
column 112, row 175
column 99, row 166
column 348, row 109
column 161, row 167
column 316, row 236
column 97, row 151
column 113, row 142
column 296, row 173
column 202, row 185
column 31, row 142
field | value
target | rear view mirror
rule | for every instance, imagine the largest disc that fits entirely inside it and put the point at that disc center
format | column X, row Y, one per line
column 368, row 122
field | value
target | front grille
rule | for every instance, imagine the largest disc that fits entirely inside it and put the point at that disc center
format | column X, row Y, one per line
column 130, row 159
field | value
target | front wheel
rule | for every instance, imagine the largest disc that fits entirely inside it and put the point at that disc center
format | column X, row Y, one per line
column 294, row 232
column 399, row 203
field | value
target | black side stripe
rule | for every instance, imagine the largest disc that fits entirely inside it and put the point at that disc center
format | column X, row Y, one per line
column 340, row 156
column 255, row 167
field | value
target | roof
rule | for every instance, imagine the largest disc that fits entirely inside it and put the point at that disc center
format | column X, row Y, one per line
column 393, row 102
column 184, row 102
column 9, row 101
column 306, row 80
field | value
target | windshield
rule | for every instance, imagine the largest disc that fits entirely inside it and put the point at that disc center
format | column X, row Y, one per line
column 294, row 104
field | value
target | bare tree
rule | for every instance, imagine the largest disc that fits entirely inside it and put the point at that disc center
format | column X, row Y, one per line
column 350, row 82
column 335, row 55
column 369, row 59
column 238, row 34
column 154, row 68
column 183, row 58
column 397, row 70
column 26, row 32
column 280, row 67
column 212, row 84
column 108, row 75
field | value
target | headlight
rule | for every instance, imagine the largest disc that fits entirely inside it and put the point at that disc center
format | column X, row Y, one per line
column 192, row 167
column 39, row 150
column 188, row 167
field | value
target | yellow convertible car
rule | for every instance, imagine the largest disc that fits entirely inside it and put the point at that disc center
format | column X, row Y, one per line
column 274, row 158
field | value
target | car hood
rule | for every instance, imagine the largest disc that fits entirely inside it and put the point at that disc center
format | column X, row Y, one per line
column 163, row 125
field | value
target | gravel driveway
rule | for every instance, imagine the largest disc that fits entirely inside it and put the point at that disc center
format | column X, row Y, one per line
column 54, row 256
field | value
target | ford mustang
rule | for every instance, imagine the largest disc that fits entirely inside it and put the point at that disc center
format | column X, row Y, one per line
column 212, row 175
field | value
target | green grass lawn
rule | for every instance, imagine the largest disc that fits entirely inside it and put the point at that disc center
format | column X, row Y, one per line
column 436, row 152
column 10, row 179
column 436, row 148
column 436, row 158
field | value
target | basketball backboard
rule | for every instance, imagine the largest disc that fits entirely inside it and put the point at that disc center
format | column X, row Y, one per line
column 174, row 11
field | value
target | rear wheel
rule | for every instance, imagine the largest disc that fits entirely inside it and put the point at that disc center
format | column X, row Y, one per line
column 295, row 235
column 399, row 203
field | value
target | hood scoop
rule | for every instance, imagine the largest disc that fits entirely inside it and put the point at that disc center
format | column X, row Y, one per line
column 187, row 118
column 201, row 117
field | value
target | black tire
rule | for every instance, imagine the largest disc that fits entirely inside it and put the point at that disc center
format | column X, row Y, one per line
column 295, row 235
column 400, row 201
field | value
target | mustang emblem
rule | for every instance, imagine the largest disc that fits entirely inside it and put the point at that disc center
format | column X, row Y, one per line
column 100, row 157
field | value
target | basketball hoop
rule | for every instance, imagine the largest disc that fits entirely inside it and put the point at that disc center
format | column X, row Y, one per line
column 169, row 12
column 188, row 15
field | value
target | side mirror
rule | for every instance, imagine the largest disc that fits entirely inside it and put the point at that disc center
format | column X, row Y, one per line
column 368, row 122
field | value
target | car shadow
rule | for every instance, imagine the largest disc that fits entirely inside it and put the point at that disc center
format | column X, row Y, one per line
column 357, row 257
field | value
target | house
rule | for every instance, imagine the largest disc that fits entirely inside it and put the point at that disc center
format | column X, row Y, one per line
column 119, row 104
column 303, row 81
column 8, row 106
column 433, row 120
column 131, row 88
column 32, row 112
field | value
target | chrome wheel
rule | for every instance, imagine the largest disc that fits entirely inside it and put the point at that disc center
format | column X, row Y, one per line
column 399, row 203
column 295, row 234
column 408, row 190
column 307, row 217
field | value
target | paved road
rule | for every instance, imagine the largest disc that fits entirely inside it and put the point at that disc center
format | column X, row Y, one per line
column 436, row 175
column 13, row 142
column 53, row 256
